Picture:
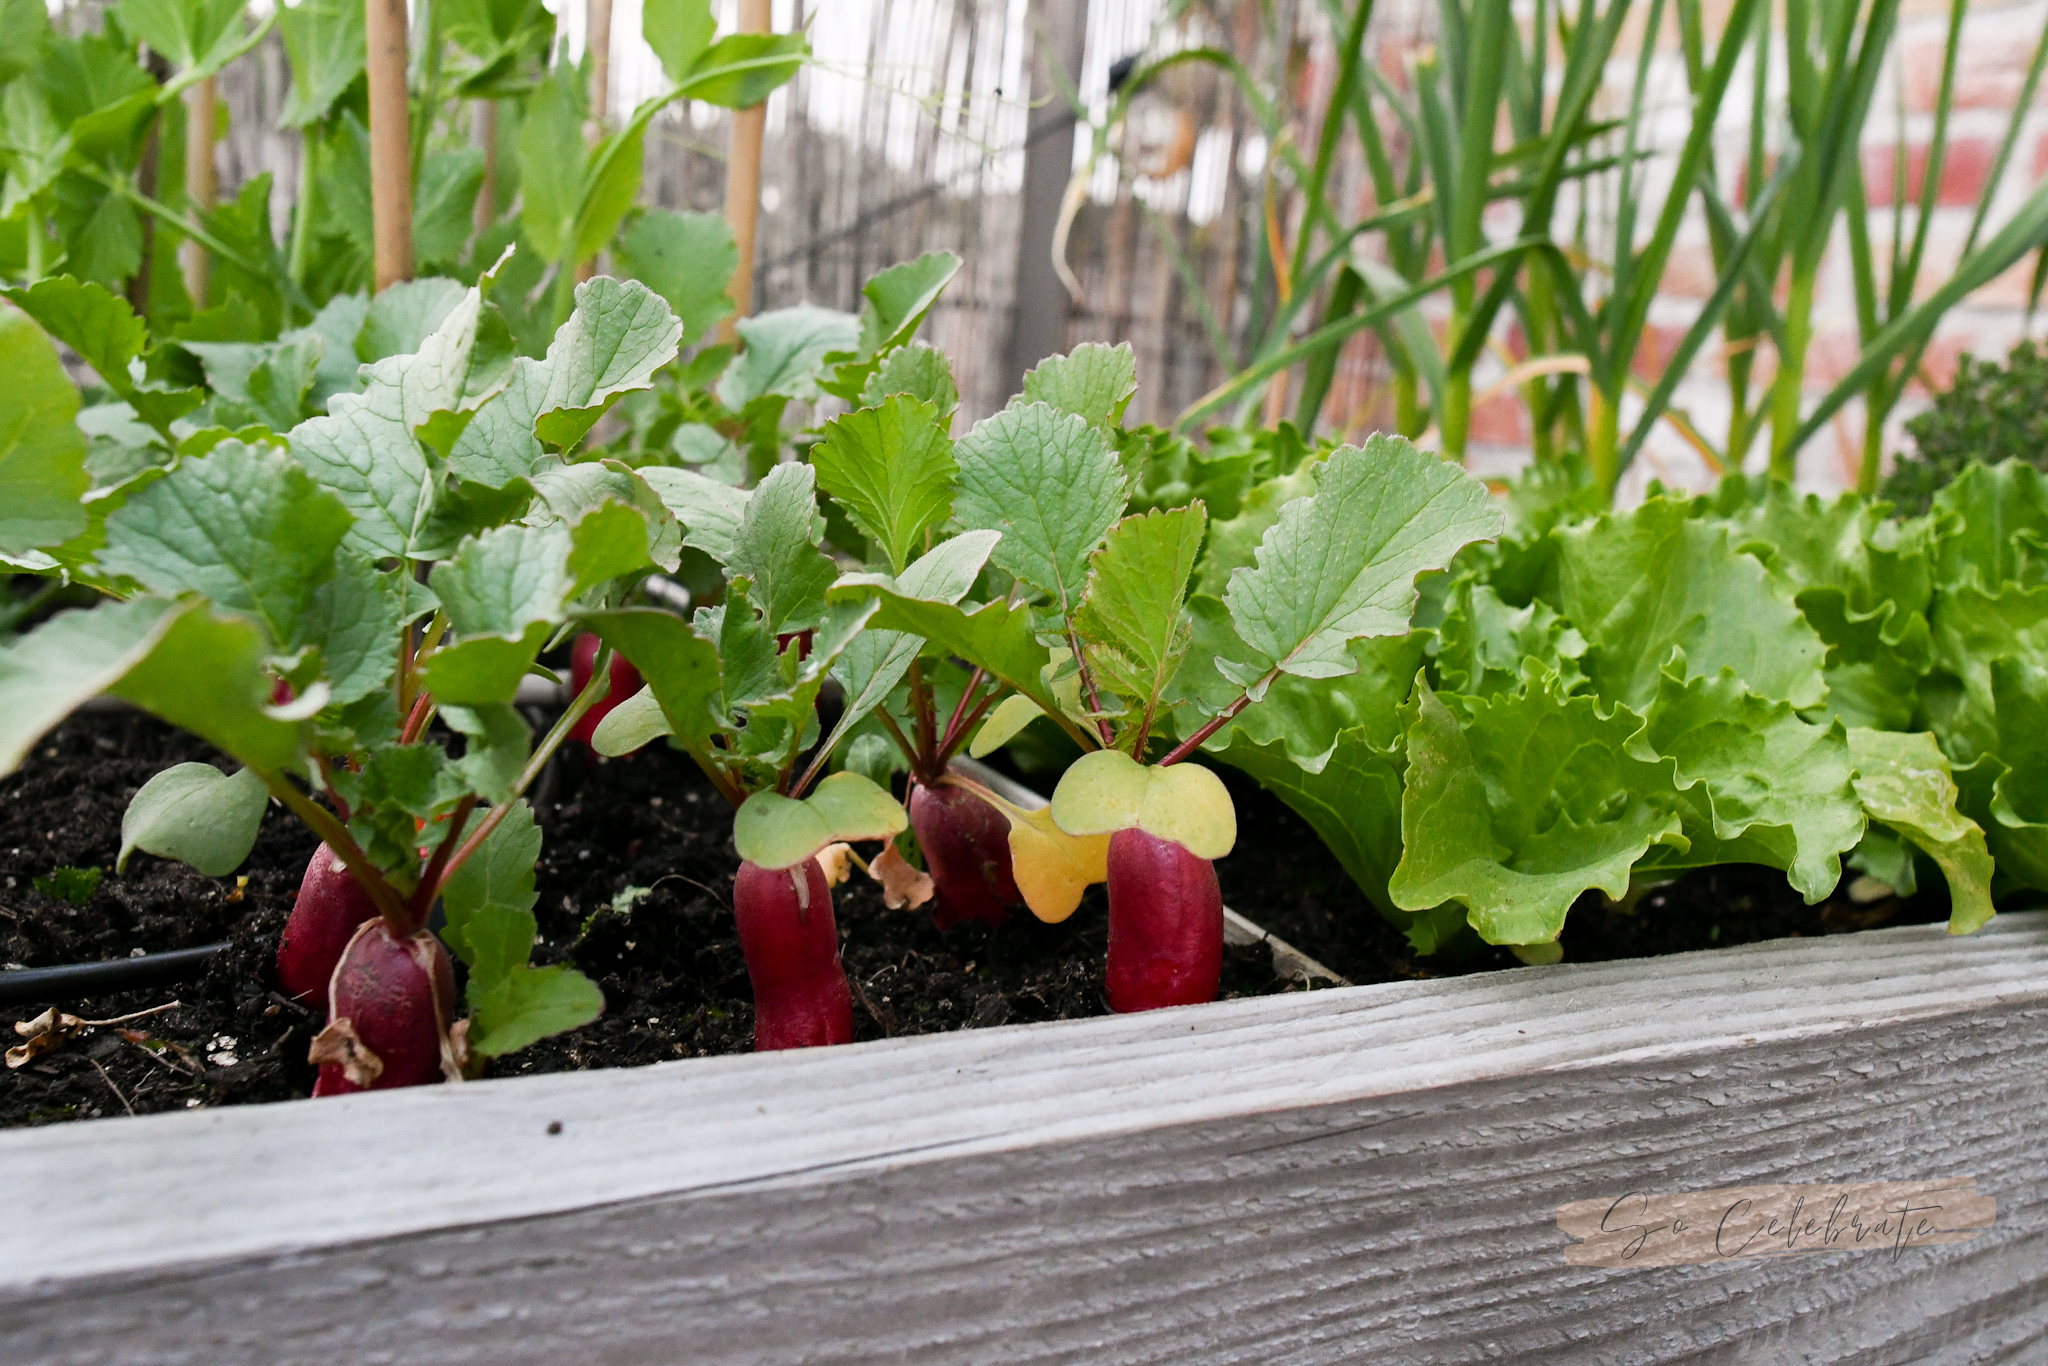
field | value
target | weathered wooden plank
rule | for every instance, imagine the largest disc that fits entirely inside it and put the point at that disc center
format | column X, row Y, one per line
column 1361, row 1173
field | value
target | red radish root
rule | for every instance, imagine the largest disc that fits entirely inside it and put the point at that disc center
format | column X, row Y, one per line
column 1165, row 924
column 331, row 905
column 966, row 844
column 387, row 1014
column 791, row 942
column 625, row 681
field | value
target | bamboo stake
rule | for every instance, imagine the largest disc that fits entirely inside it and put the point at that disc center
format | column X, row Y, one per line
column 202, row 184
column 598, row 45
column 487, row 193
column 598, row 20
column 390, row 141
column 145, row 181
column 743, row 183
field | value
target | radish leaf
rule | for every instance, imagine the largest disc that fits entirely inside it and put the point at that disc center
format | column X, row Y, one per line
column 619, row 335
column 1050, row 484
column 898, row 298
column 42, row 452
column 681, row 668
column 891, row 467
column 197, row 815
column 1107, row 791
column 918, row 370
column 708, row 510
column 499, row 876
column 774, row 831
column 1094, row 382
column 529, row 1004
column 1342, row 564
column 1234, row 542
column 785, row 353
column 47, row 673
column 572, row 492
column 108, row 336
column 775, row 553
column 206, row 674
column 1137, row 589
column 242, row 525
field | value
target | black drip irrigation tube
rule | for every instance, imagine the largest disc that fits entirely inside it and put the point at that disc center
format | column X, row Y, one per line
column 79, row 981
column 82, row 981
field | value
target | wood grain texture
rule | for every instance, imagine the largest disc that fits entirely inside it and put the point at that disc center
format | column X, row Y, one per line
column 1365, row 1173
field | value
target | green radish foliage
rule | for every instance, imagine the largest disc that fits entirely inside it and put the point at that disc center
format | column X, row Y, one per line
column 406, row 555
column 737, row 685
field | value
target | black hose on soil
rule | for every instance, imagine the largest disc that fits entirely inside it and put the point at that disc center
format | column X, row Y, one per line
column 83, row 981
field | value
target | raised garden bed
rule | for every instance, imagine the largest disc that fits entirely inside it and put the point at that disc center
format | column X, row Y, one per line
column 669, row 963
column 1368, row 1173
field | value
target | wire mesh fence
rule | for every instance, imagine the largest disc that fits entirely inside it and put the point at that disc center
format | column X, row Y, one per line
column 911, row 131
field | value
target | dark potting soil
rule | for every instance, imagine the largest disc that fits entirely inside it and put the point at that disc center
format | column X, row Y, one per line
column 635, row 889
column 1281, row 876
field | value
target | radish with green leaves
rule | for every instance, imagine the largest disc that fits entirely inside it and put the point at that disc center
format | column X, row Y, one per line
column 331, row 906
column 890, row 467
column 623, row 682
column 783, row 902
column 745, row 709
column 1092, row 627
column 1166, row 826
column 313, row 602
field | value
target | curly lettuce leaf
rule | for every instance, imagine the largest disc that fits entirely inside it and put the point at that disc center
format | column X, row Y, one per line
column 1762, row 785
column 1523, row 804
column 1905, row 784
column 1636, row 584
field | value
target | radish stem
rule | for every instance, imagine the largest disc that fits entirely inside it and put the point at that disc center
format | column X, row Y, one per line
column 1215, row 723
column 340, row 841
column 430, row 879
column 956, row 738
column 600, row 678
column 1088, row 688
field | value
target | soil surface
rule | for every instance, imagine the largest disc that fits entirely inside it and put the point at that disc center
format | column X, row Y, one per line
column 635, row 889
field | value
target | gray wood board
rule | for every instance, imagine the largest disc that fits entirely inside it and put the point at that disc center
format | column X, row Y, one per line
column 1369, row 1172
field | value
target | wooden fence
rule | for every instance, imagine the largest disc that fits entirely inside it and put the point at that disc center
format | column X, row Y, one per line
column 911, row 134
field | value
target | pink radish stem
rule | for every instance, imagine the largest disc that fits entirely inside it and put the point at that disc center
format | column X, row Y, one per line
column 1165, row 924
column 330, row 907
column 966, row 844
column 791, row 942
